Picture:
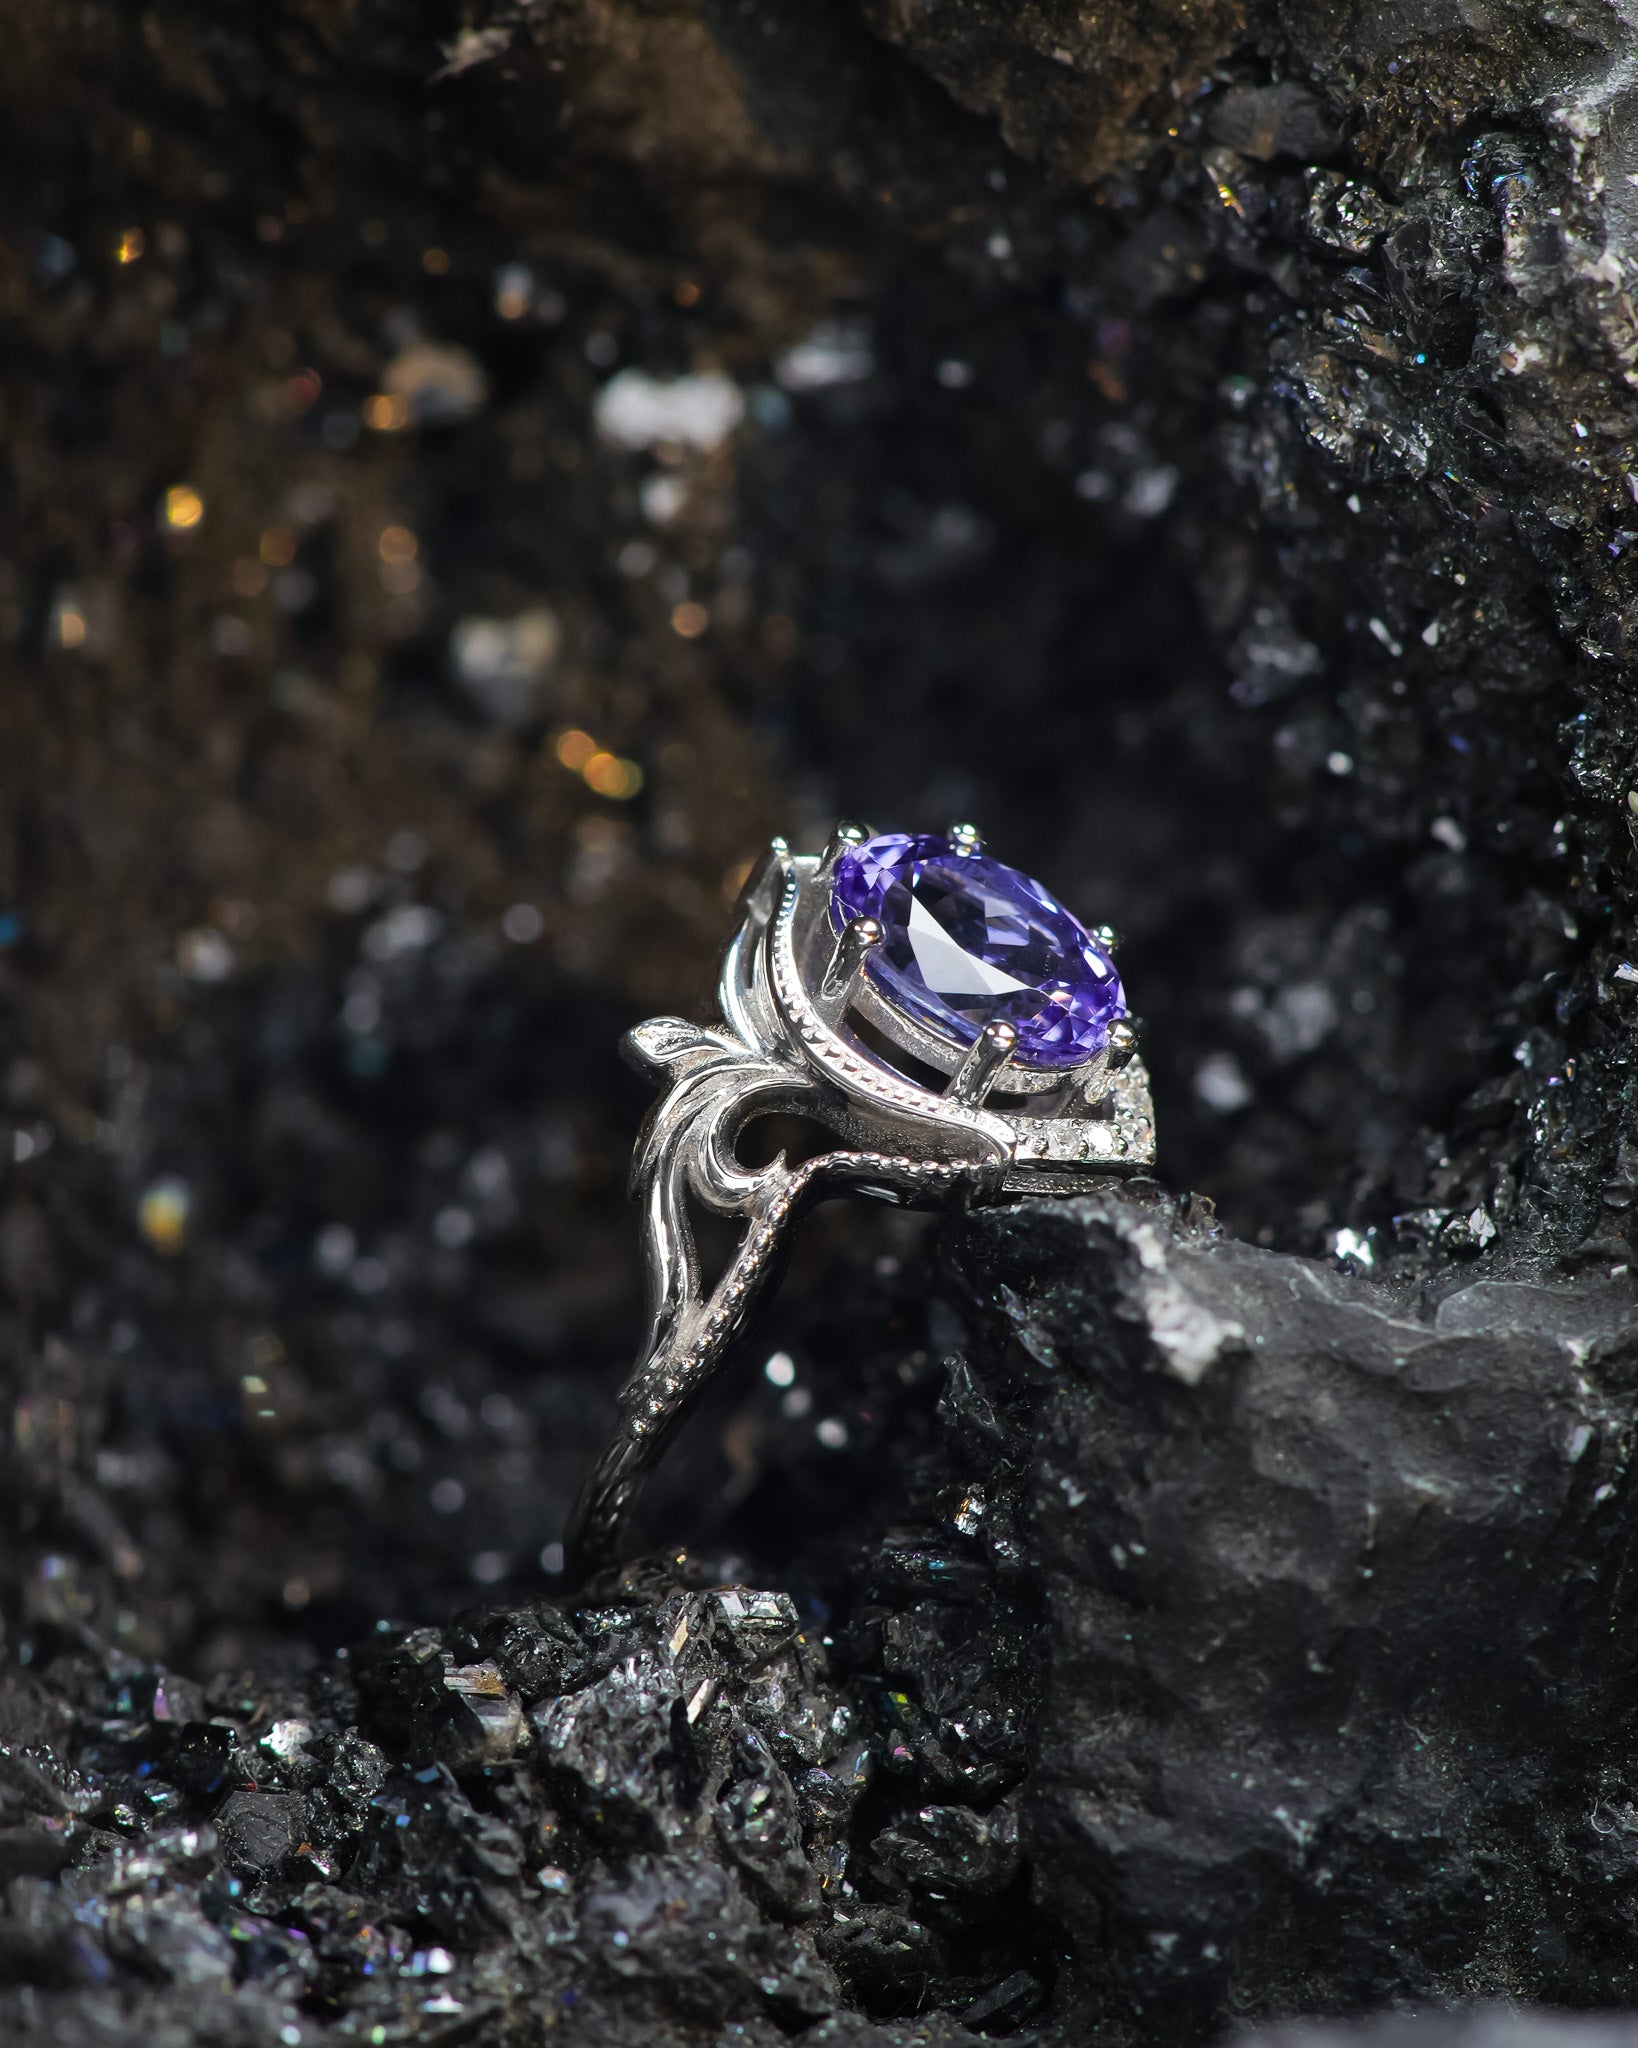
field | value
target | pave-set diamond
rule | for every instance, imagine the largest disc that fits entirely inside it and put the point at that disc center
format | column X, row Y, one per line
column 1010, row 1068
column 966, row 939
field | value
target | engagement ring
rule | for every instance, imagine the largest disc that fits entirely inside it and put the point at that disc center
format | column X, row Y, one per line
column 961, row 1034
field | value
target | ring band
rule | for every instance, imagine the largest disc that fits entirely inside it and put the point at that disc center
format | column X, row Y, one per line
column 961, row 1034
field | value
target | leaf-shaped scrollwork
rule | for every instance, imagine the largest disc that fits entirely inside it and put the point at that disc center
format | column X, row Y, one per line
column 688, row 1147
column 666, row 1046
column 774, row 1052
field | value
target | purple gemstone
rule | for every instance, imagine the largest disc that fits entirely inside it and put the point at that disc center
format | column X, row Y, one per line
column 966, row 939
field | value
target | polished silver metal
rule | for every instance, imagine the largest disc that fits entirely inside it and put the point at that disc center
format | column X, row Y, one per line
column 945, row 1055
column 785, row 1046
column 1122, row 1047
column 857, row 940
column 981, row 1069
column 845, row 835
column 966, row 838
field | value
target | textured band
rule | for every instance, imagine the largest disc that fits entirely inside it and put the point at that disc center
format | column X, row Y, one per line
column 786, row 1045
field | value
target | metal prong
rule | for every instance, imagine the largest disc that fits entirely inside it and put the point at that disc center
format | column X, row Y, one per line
column 845, row 835
column 966, row 839
column 981, row 1069
column 764, row 879
column 1123, row 1044
column 859, row 939
column 1107, row 938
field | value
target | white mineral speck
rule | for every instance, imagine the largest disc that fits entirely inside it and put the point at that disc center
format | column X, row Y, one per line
column 634, row 410
column 835, row 352
column 1220, row 1084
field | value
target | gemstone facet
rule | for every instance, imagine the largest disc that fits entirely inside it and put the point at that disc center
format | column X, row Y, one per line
column 967, row 939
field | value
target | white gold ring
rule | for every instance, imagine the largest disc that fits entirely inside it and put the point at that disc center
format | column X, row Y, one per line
column 964, row 1037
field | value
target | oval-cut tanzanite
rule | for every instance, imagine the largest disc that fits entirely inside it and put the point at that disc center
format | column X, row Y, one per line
column 966, row 939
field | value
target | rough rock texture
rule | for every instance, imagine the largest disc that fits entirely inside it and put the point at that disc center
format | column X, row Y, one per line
column 656, row 1818
column 1194, row 441
column 1085, row 89
column 1336, row 1586
column 1488, row 2026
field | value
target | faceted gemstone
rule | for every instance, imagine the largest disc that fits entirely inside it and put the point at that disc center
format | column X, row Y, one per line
column 966, row 939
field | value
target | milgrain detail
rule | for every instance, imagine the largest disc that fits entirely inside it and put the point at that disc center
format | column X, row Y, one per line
column 774, row 1053
column 868, row 1081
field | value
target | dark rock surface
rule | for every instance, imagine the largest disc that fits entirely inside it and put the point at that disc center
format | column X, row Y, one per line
column 1487, row 2026
column 1194, row 440
column 1336, row 1593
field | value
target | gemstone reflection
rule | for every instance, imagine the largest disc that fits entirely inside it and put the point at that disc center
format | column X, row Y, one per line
column 967, row 939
